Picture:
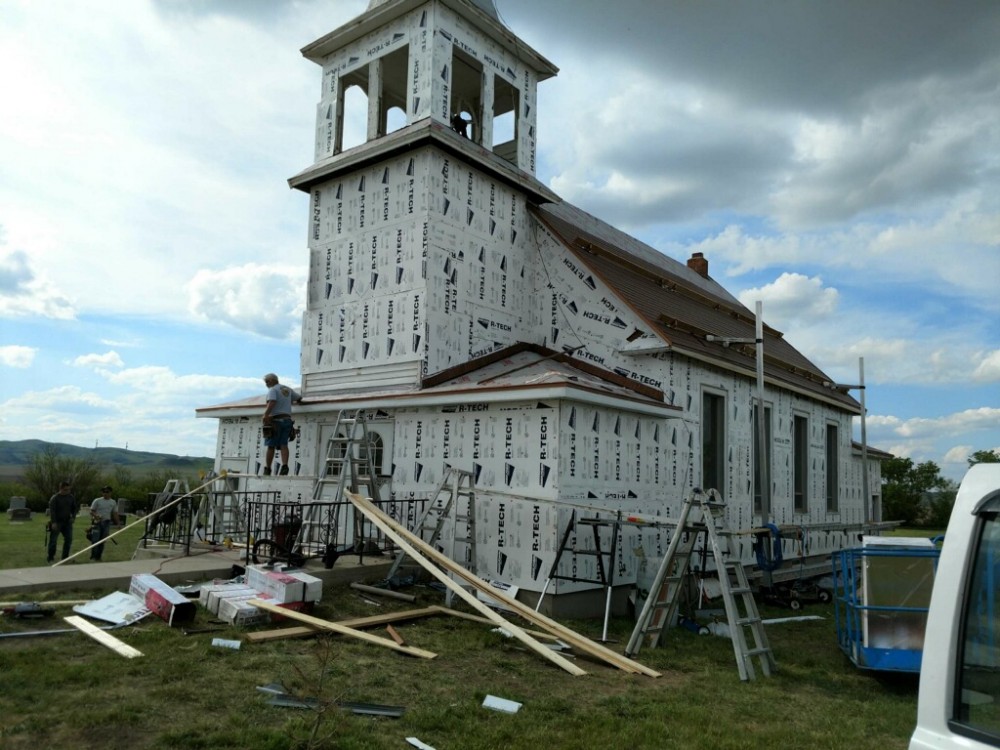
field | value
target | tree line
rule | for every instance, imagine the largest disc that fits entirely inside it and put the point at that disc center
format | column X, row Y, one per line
column 47, row 468
column 918, row 495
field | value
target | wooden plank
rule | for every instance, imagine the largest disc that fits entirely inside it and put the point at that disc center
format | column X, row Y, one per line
column 390, row 528
column 105, row 639
column 394, row 635
column 434, row 558
column 542, row 636
column 342, row 630
column 358, row 622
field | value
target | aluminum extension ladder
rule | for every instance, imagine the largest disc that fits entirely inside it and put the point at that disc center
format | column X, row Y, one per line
column 742, row 614
column 456, row 488
column 347, row 465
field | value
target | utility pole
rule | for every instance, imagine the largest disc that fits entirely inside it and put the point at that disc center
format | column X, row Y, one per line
column 763, row 468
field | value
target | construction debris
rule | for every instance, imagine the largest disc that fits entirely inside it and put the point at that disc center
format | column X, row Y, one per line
column 429, row 559
column 501, row 704
column 335, row 628
column 103, row 638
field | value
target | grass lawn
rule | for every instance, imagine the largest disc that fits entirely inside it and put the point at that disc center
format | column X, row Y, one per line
column 69, row 691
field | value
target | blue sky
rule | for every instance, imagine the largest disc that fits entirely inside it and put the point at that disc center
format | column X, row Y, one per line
column 839, row 162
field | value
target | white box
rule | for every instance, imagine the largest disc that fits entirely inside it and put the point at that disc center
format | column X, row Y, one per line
column 236, row 611
column 313, row 585
column 216, row 597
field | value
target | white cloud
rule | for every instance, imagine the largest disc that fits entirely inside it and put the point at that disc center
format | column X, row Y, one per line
column 988, row 370
column 969, row 420
column 24, row 291
column 264, row 299
column 793, row 296
column 959, row 454
column 17, row 356
column 99, row 361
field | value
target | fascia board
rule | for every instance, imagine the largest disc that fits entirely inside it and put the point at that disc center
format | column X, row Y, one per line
column 456, row 398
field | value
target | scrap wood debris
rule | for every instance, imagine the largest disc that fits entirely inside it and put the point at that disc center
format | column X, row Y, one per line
column 429, row 558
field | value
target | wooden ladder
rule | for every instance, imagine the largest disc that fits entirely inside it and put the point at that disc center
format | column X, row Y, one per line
column 742, row 614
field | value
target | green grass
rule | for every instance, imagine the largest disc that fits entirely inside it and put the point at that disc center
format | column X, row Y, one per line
column 68, row 690
column 22, row 543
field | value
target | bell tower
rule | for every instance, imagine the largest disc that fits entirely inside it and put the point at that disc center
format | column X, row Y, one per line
column 424, row 165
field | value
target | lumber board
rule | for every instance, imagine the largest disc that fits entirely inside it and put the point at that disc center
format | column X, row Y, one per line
column 302, row 631
column 394, row 635
column 105, row 639
column 390, row 528
column 433, row 557
column 541, row 635
column 342, row 630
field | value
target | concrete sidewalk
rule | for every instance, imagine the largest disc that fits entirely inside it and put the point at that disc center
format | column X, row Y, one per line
column 21, row 583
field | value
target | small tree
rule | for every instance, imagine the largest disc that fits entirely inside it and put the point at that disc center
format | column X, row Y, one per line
column 904, row 487
column 984, row 457
column 49, row 467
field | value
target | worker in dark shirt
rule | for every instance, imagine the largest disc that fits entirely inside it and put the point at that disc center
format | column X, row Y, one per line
column 62, row 512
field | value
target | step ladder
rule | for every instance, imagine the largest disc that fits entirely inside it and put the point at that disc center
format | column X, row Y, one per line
column 172, row 490
column 742, row 614
column 453, row 504
column 347, row 465
column 605, row 570
column 219, row 515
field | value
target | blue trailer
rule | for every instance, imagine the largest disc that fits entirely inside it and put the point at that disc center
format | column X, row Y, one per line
column 881, row 597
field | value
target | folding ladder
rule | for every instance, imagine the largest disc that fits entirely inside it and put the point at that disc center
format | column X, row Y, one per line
column 453, row 502
column 742, row 614
column 347, row 465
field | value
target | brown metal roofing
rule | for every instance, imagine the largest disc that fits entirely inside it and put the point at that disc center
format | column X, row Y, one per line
column 680, row 305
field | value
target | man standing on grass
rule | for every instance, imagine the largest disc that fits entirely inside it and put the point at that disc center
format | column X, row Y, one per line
column 62, row 512
column 103, row 512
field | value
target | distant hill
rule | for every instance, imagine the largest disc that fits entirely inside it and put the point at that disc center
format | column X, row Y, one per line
column 16, row 454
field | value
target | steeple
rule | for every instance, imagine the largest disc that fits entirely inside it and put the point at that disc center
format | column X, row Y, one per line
column 404, row 63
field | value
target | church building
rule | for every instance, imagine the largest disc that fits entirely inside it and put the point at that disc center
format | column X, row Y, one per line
column 480, row 323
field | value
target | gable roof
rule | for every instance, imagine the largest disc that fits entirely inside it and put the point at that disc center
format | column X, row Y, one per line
column 681, row 307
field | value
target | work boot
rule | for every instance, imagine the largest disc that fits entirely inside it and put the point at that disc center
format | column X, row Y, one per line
column 267, row 471
column 284, row 469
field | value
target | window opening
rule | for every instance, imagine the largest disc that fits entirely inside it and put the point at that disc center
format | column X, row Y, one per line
column 977, row 683
column 466, row 95
column 375, row 448
column 353, row 106
column 800, row 460
column 758, row 481
column 713, row 442
column 505, row 111
column 395, row 70
column 832, row 469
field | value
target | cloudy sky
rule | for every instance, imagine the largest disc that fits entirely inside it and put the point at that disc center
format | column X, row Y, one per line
column 838, row 161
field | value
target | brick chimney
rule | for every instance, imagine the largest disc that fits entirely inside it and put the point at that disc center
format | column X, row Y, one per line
column 698, row 264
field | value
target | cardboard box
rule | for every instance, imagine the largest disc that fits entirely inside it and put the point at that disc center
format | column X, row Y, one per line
column 214, row 594
column 236, row 611
column 313, row 585
column 281, row 587
column 162, row 600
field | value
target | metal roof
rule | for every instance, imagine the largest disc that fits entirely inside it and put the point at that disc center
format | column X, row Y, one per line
column 681, row 307
column 519, row 372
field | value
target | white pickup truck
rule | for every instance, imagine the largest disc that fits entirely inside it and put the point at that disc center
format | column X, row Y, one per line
column 959, row 703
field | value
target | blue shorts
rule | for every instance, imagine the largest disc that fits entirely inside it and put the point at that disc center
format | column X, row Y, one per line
column 281, row 429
